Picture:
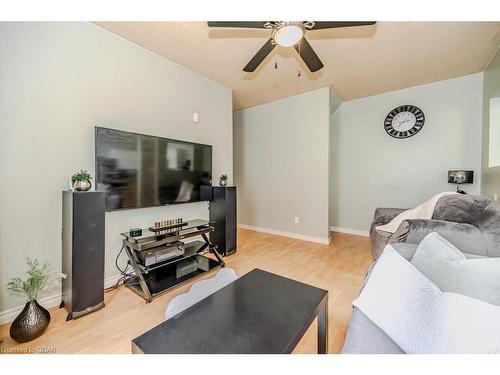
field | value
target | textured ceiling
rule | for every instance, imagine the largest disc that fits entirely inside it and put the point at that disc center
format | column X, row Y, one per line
column 359, row 61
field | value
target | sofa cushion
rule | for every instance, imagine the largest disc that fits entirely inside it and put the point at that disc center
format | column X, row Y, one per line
column 466, row 237
column 424, row 210
column 478, row 211
column 420, row 318
column 364, row 337
column 451, row 271
column 406, row 250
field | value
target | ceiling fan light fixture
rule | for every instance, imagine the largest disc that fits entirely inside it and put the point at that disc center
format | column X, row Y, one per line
column 288, row 35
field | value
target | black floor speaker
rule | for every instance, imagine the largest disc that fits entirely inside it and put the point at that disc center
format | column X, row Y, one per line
column 83, row 252
column 223, row 214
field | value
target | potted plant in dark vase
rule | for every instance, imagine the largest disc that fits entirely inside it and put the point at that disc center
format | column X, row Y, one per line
column 34, row 319
column 81, row 181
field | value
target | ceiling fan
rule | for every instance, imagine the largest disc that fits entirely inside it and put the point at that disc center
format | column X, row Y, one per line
column 288, row 34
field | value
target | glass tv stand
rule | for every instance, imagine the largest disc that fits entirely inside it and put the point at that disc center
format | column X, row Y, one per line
column 150, row 281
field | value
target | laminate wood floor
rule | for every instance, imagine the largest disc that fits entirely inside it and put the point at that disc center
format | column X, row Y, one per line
column 339, row 267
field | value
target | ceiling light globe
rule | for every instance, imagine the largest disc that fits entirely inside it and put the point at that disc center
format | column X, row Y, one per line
column 288, row 35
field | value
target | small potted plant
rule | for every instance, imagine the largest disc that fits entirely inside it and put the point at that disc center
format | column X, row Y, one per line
column 34, row 319
column 81, row 181
column 223, row 180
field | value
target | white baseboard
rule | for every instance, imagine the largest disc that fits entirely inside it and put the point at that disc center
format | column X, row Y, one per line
column 110, row 281
column 297, row 236
column 357, row 232
column 47, row 302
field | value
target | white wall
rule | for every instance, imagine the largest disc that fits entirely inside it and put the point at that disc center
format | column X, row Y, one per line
column 494, row 133
column 372, row 169
column 335, row 102
column 59, row 80
column 491, row 93
column 281, row 164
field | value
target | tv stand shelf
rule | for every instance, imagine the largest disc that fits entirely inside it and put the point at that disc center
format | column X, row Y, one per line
column 151, row 281
column 191, row 249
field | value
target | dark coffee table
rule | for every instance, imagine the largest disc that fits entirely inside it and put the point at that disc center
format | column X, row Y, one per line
column 259, row 313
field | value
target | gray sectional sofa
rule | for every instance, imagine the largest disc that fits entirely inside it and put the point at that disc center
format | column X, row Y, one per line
column 469, row 222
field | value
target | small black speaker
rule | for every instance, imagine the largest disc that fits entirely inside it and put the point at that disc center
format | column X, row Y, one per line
column 83, row 252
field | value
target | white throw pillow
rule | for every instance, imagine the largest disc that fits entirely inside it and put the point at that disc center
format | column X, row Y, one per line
column 420, row 318
column 451, row 271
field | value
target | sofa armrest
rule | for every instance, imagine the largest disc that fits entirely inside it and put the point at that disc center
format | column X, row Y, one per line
column 378, row 239
column 466, row 237
column 384, row 215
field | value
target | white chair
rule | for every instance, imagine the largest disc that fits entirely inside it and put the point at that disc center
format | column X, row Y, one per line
column 200, row 290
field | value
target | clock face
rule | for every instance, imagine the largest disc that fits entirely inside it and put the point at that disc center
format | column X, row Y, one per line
column 404, row 121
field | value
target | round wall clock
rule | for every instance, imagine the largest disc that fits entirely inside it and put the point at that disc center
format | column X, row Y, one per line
column 404, row 121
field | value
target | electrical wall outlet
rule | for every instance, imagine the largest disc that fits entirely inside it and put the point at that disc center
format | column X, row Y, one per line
column 296, row 220
column 495, row 197
column 196, row 117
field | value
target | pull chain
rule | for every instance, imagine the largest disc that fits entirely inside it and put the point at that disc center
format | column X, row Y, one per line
column 300, row 45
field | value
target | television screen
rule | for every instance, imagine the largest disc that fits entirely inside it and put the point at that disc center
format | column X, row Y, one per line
column 137, row 170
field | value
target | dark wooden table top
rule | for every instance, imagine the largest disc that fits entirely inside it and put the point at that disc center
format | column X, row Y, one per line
column 258, row 313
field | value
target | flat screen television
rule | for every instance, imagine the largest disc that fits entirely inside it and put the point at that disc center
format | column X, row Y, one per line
column 137, row 170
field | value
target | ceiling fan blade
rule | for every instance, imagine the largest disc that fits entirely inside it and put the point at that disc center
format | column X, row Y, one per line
column 238, row 24
column 318, row 25
column 307, row 54
column 260, row 56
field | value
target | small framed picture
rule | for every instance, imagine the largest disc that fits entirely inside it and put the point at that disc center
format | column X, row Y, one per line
column 460, row 177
